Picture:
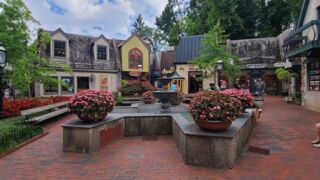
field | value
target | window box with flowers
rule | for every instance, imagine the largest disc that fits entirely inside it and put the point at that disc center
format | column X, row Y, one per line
column 214, row 111
column 92, row 105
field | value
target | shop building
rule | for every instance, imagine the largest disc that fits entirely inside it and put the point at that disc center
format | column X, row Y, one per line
column 302, row 46
column 95, row 63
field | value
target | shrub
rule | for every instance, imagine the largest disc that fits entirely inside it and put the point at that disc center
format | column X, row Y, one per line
column 148, row 97
column 134, row 87
column 91, row 101
column 214, row 106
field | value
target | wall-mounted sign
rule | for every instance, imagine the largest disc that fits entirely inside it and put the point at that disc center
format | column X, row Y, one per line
column 256, row 66
column 103, row 82
column 279, row 64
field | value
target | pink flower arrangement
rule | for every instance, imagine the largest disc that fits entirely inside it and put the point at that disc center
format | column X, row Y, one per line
column 148, row 97
column 214, row 106
column 88, row 102
column 243, row 95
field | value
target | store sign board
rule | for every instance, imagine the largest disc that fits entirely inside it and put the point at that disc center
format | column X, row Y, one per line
column 256, row 66
column 279, row 64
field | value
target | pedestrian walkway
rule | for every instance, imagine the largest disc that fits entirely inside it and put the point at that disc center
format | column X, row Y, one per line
column 285, row 129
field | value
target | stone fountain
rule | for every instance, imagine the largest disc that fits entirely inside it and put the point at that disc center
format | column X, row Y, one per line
column 165, row 95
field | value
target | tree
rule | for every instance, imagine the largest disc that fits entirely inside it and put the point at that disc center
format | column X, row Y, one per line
column 28, row 66
column 248, row 12
column 168, row 24
column 214, row 49
column 151, row 35
column 204, row 14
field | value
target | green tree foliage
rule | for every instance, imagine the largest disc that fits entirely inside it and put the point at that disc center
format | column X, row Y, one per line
column 248, row 12
column 14, row 31
column 284, row 74
column 168, row 24
column 151, row 35
column 240, row 18
column 204, row 14
column 28, row 66
column 214, row 49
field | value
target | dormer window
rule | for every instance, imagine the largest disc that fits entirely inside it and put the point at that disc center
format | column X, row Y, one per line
column 59, row 48
column 135, row 58
column 102, row 52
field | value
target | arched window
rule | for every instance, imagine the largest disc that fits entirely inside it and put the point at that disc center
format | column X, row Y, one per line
column 135, row 58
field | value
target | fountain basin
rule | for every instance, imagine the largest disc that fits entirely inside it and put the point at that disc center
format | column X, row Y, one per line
column 164, row 98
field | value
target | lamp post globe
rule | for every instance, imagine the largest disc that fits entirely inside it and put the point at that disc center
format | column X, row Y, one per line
column 139, row 68
column 219, row 65
column 3, row 52
column 2, row 65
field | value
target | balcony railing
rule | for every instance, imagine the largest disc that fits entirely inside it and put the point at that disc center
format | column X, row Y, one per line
column 303, row 39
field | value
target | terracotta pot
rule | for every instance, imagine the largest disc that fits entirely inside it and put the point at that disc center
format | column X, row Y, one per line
column 213, row 125
column 92, row 117
column 147, row 102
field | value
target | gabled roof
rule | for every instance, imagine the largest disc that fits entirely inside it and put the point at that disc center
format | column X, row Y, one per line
column 135, row 35
column 302, row 13
column 102, row 37
column 59, row 30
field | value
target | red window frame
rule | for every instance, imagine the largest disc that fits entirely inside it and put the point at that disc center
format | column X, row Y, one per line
column 135, row 53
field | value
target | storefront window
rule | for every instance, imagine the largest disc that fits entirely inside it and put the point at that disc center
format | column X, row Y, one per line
column 83, row 83
column 51, row 88
column 314, row 76
column 67, row 87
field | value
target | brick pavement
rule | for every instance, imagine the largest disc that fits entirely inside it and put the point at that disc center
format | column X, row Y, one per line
column 285, row 129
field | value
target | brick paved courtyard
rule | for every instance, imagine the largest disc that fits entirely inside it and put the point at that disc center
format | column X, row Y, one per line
column 284, row 129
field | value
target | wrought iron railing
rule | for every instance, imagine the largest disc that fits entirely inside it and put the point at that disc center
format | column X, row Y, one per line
column 302, row 39
column 18, row 133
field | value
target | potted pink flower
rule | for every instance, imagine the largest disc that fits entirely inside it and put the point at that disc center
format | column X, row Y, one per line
column 212, row 110
column 92, row 105
column 243, row 95
column 148, row 97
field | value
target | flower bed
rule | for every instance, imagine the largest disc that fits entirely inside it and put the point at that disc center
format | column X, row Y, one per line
column 13, row 106
column 134, row 87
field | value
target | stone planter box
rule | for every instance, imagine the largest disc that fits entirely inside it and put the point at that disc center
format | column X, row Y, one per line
column 197, row 147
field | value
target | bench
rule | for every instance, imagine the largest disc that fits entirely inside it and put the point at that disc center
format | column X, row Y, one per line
column 54, row 110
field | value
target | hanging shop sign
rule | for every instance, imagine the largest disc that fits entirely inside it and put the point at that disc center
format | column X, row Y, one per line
column 256, row 66
column 279, row 64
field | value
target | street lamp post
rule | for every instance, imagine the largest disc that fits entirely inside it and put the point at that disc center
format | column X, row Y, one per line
column 2, row 65
column 219, row 67
column 139, row 67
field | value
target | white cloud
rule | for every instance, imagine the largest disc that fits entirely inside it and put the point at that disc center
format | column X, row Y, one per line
column 92, row 17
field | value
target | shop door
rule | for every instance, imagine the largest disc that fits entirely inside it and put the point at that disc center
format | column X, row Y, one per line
column 195, row 84
column 83, row 83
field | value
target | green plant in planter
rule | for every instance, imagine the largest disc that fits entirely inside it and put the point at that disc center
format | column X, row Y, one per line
column 177, row 100
column 284, row 74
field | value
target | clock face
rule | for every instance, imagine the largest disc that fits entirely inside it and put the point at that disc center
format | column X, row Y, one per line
column 2, row 57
